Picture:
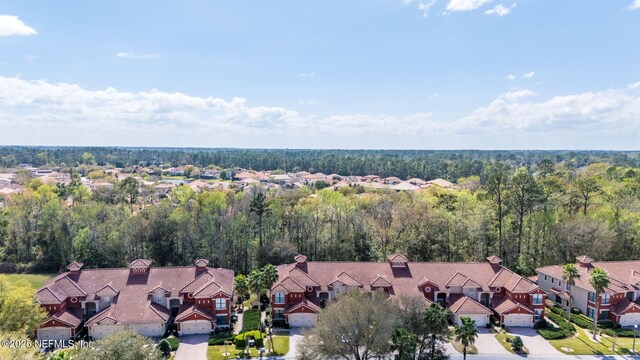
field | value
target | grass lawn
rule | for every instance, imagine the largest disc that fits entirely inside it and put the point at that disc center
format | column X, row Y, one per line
column 470, row 350
column 623, row 345
column 216, row 352
column 280, row 344
column 35, row 280
column 502, row 339
column 582, row 345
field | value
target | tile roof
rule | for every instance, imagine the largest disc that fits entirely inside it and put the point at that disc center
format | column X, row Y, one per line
column 75, row 266
column 503, row 305
column 381, row 281
column 624, row 276
column 346, row 279
column 72, row 317
column 186, row 311
column 140, row 264
column 462, row 304
column 397, row 258
column 624, row 306
column 132, row 303
column 207, row 290
column 107, row 290
column 305, row 302
column 406, row 280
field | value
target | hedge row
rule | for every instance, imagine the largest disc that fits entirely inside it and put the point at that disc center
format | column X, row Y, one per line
column 241, row 339
column 547, row 331
column 250, row 320
column 578, row 319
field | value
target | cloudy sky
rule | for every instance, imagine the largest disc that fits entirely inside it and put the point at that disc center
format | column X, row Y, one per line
column 400, row 74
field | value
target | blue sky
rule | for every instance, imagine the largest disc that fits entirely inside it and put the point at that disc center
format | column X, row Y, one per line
column 434, row 74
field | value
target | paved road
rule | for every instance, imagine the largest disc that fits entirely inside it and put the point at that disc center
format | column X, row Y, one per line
column 192, row 347
column 545, row 357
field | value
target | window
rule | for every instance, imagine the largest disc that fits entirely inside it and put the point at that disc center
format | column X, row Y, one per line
column 538, row 315
column 278, row 314
column 553, row 280
column 560, row 284
column 605, row 299
column 591, row 312
column 221, row 320
column 592, row 296
column 604, row 314
column 568, row 287
column 538, row 299
column 545, row 278
column 278, row 298
column 221, row 304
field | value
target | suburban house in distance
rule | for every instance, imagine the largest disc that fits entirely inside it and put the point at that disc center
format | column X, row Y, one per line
column 475, row 290
column 619, row 302
column 197, row 299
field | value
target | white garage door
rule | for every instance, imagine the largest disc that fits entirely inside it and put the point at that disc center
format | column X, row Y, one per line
column 518, row 320
column 100, row 331
column 195, row 327
column 54, row 333
column 149, row 329
column 630, row 319
column 298, row 320
column 480, row 320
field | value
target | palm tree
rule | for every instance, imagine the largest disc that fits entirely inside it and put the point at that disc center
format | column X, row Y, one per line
column 599, row 279
column 466, row 334
column 242, row 286
column 435, row 319
column 256, row 284
column 569, row 274
column 269, row 276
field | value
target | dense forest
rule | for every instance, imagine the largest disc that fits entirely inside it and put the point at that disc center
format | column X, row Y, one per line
column 533, row 208
column 425, row 164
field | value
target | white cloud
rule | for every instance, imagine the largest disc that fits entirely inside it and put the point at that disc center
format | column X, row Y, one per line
column 12, row 25
column 424, row 7
column 307, row 75
column 466, row 5
column 135, row 55
column 511, row 77
column 529, row 75
column 635, row 5
column 499, row 10
column 517, row 94
column 613, row 111
column 41, row 112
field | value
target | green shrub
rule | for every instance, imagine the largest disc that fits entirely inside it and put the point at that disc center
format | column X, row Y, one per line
column 552, row 334
column 174, row 342
column 251, row 320
column 582, row 321
column 219, row 339
column 241, row 339
column 164, row 347
column 620, row 332
column 576, row 311
column 516, row 344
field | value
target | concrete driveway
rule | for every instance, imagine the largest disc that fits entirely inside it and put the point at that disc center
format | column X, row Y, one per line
column 192, row 347
column 535, row 343
column 295, row 335
column 486, row 343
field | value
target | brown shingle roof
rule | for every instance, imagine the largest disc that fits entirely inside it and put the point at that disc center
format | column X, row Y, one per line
column 397, row 258
column 381, row 281
column 75, row 266
column 192, row 309
column 622, row 275
column 306, row 303
column 140, row 264
column 347, row 280
column 503, row 305
column 48, row 296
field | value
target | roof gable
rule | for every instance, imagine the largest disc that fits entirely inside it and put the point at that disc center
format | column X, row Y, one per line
column 456, row 279
column 107, row 290
column 347, row 280
column 381, row 281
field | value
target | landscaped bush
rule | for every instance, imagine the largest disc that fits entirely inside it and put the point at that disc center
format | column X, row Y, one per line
column 241, row 339
column 174, row 342
column 607, row 324
column 220, row 339
column 620, row 332
column 516, row 344
column 582, row 321
column 578, row 319
column 552, row 334
column 251, row 320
